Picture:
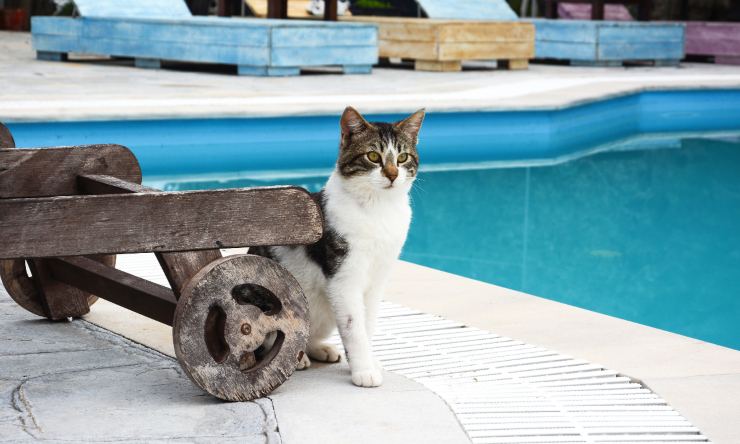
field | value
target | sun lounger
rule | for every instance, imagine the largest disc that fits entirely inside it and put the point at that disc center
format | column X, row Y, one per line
column 718, row 40
column 450, row 36
column 581, row 42
column 151, row 31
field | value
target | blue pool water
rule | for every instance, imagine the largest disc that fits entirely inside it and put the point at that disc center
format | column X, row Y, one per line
column 635, row 217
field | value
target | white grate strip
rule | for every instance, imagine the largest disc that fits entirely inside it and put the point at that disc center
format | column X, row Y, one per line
column 508, row 392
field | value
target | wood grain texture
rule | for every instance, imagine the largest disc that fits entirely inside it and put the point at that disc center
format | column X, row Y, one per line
column 485, row 51
column 178, row 267
column 54, row 171
column 437, row 66
column 226, row 361
column 45, row 298
column 451, row 40
column 408, row 50
column 600, row 41
column 59, row 300
column 713, row 38
column 131, row 292
column 157, row 222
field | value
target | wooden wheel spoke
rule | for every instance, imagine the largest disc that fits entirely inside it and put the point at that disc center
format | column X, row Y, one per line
column 246, row 328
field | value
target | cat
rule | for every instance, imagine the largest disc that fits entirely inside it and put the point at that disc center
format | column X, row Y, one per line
column 366, row 219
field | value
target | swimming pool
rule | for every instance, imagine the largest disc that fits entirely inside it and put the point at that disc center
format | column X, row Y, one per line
column 629, row 207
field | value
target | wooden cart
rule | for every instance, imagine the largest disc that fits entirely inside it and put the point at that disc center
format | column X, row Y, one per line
column 65, row 212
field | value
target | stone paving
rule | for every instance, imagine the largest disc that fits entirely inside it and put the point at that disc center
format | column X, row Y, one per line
column 74, row 381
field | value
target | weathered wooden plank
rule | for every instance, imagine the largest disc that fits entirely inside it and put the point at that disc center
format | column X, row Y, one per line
column 713, row 38
column 404, row 31
column 46, row 45
column 328, row 55
column 6, row 139
column 157, row 222
column 144, row 297
column 415, row 50
column 570, row 31
column 57, row 26
column 564, row 50
column 487, row 32
column 178, row 267
column 438, row 66
column 54, row 171
column 483, row 51
column 195, row 32
column 58, row 300
column 657, row 33
column 355, row 34
column 184, row 51
column 640, row 51
column 407, row 29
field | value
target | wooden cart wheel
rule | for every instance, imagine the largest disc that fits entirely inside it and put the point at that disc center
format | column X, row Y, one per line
column 24, row 292
column 225, row 314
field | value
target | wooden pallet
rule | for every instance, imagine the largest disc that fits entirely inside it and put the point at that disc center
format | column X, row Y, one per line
column 442, row 45
column 609, row 43
column 151, row 31
column 718, row 40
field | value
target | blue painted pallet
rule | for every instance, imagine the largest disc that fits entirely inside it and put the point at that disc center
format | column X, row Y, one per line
column 468, row 9
column 609, row 43
column 256, row 46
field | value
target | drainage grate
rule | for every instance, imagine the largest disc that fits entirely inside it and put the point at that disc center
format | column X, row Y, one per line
column 506, row 391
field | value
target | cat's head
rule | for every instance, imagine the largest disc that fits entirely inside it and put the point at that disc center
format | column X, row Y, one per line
column 379, row 156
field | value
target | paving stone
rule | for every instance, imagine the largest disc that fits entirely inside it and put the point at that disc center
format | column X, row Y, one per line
column 76, row 382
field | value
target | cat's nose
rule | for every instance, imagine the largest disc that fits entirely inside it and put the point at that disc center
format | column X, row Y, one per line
column 390, row 171
column 391, row 175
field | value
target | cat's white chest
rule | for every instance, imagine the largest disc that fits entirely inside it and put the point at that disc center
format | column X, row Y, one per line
column 375, row 230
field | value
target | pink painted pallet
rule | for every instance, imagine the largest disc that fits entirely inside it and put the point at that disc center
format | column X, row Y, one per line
column 581, row 11
column 720, row 40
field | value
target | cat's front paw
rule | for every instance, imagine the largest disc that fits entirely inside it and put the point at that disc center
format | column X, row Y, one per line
column 323, row 353
column 304, row 362
column 367, row 378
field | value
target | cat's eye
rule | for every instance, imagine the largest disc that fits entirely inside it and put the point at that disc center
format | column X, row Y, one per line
column 403, row 157
column 373, row 156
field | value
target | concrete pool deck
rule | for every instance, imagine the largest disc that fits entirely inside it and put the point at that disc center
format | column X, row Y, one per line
column 701, row 380
column 51, row 91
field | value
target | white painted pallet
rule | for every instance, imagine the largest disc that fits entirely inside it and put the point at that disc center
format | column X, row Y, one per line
column 504, row 391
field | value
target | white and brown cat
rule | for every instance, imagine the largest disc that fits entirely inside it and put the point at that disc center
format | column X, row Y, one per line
column 366, row 218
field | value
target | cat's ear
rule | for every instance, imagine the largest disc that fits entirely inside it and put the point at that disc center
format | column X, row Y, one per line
column 412, row 124
column 352, row 122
